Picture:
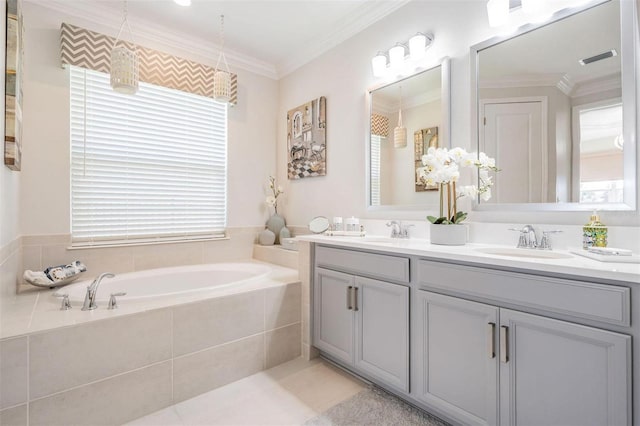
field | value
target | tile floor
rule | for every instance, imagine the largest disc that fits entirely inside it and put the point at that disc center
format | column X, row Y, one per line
column 288, row 394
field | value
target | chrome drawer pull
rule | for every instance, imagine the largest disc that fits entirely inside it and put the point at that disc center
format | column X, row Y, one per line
column 355, row 298
column 504, row 344
column 491, row 340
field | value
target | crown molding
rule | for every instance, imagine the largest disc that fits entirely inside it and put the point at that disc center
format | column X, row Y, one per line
column 146, row 31
column 349, row 26
column 598, row 85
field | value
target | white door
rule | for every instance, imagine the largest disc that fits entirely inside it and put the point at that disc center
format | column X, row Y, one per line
column 515, row 134
column 558, row 373
column 457, row 368
column 382, row 332
column 333, row 317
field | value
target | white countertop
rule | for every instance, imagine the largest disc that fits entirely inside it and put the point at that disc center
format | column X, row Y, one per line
column 571, row 265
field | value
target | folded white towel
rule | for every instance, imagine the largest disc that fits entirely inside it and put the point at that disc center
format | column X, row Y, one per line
column 610, row 251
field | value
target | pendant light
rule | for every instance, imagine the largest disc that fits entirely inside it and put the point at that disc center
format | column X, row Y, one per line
column 124, row 62
column 400, row 132
column 222, row 79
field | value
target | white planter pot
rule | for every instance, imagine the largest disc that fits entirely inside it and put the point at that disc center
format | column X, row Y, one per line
column 448, row 235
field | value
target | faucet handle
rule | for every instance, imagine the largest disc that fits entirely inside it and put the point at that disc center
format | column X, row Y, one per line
column 404, row 230
column 545, row 242
column 66, row 304
column 113, row 303
column 522, row 240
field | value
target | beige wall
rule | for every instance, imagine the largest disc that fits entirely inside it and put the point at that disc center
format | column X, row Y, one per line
column 44, row 194
column 343, row 75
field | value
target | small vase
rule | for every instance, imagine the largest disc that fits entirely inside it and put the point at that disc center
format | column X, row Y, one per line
column 266, row 238
column 448, row 235
column 284, row 233
column 275, row 225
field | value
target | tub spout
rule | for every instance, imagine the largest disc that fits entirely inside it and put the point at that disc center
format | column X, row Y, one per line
column 90, row 299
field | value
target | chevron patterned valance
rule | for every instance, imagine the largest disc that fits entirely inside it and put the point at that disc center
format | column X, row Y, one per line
column 379, row 125
column 91, row 50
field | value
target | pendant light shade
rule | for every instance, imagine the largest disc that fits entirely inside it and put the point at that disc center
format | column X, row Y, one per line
column 221, row 78
column 400, row 132
column 124, row 62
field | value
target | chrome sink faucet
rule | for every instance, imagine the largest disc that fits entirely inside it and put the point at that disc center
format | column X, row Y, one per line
column 527, row 238
column 398, row 230
column 92, row 290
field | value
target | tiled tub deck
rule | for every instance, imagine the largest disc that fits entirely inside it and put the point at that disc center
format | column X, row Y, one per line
column 109, row 367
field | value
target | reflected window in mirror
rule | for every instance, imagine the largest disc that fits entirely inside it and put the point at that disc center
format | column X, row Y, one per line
column 392, row 171
column 549, row 105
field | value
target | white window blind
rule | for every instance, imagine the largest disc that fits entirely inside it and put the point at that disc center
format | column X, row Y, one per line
column 375, row 170
column 148, row 167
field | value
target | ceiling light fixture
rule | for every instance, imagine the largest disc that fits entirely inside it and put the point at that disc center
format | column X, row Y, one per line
column 124, row 72
column 221, row 78
column 399, row 62
column 182, row 2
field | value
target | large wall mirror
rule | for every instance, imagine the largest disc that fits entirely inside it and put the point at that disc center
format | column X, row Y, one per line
column 424, row 100
column 555, row 105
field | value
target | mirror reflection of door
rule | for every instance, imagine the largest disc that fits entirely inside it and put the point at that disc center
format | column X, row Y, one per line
column 598, row 153
column 514, row 132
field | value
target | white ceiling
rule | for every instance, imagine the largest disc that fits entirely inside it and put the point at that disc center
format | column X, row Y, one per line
column 276, row 36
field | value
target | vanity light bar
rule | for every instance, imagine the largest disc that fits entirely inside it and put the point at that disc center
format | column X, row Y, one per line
column 609, row 54
column 399, row 60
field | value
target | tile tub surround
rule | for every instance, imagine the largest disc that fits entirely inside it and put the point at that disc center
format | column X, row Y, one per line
column 10, row 268
column 41, row 251
column 113, row 370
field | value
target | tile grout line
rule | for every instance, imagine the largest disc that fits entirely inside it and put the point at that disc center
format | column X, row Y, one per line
column 172, row 354
column 28, row 379
column 100, row 380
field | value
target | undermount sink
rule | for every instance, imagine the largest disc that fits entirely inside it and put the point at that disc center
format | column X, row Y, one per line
column 523, row 253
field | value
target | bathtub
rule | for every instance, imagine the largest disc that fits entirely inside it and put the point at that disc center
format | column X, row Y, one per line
column 174, row 281
column 179, row 332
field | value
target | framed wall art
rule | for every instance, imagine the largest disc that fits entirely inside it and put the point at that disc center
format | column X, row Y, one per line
column 307, row 139
column 13, row 85
column 423, row 139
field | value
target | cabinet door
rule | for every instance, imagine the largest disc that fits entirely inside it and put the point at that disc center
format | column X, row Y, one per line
column 333, row 318
column 382, row 331
column 559, row 373
column 457, row 362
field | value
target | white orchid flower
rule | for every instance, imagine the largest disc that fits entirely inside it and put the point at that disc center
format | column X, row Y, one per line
column 271, row 200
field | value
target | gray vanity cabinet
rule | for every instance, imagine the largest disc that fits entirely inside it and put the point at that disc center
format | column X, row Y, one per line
column 359, row 321
column 542, row 371
column 334, row 321
column 457, row 371
column 559, row 373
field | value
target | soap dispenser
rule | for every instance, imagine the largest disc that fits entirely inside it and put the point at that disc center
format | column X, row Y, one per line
column 594, row 233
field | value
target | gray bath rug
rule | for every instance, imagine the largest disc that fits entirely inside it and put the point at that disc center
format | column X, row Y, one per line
column 373, row 406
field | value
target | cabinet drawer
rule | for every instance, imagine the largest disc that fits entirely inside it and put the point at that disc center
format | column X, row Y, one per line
column 367, row 264
column 597, row 302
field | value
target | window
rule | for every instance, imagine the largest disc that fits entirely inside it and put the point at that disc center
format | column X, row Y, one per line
column 375, row 169
column 148, row 167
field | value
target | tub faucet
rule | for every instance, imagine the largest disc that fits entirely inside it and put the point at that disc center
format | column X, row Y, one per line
column 92, row 290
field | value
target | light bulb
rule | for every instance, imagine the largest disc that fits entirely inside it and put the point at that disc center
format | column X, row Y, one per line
column 379, row 65
column 498, row 12
column 396, row 57
column 417, row 45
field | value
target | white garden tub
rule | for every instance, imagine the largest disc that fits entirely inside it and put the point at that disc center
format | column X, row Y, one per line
column 167, row 282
